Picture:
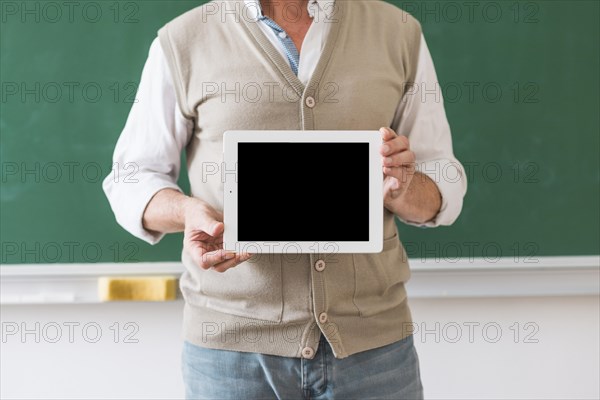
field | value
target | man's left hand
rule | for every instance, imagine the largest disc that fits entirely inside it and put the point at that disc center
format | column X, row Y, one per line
column 398, row 164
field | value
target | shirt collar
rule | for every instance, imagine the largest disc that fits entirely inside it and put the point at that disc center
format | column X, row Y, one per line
column 254, row 11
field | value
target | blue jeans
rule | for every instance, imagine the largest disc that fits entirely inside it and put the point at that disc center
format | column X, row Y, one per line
column 388, row 372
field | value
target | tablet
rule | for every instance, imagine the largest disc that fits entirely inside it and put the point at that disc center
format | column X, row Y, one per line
column 292, row 192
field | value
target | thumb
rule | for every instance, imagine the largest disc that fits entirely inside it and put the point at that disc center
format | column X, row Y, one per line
column 213, row 227
column 206, row 221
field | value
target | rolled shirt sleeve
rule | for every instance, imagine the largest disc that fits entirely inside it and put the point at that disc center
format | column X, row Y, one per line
column 147, row 155
column 422, row 118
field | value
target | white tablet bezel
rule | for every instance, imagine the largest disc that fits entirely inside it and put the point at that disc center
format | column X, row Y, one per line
column 230, row 188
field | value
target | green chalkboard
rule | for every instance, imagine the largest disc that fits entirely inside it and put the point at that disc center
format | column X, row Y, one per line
column 521, row 86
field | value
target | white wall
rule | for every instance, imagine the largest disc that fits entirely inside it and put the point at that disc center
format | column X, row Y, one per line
column 563, row 364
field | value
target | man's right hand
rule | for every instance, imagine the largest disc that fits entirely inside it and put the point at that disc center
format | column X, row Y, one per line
column 203, row 238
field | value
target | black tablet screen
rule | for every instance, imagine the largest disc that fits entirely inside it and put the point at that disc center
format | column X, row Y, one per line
column 303, row 192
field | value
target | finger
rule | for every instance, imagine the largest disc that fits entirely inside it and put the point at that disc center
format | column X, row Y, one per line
column 211, row 258
column 208, row 220
column 214, row 228
column 198, row 237
column 238, row 259
column 393, row 193
column 387, row 134
column 203, row 228
column 404, row 158
column 391, row 183
column 400, row 173
column 396, row 145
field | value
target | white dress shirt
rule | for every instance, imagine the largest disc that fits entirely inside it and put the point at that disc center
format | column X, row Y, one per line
column 147, row 155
